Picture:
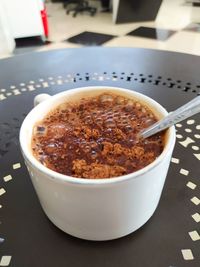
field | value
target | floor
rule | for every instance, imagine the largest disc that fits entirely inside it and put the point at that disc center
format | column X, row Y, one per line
column 175, row 29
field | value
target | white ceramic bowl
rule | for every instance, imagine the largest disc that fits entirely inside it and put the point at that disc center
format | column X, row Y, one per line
column 101, row 209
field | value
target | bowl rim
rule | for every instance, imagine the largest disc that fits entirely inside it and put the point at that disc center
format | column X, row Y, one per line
column 169, row 145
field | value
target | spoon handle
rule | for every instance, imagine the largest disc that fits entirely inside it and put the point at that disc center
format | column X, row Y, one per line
column 178, row 115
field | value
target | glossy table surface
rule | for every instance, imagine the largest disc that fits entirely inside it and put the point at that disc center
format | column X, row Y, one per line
column 30, row 239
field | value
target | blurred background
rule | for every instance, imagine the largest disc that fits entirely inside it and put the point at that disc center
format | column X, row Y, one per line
column 38, row 25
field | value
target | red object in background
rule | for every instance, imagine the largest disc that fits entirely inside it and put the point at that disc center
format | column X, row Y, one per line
column 45, row 22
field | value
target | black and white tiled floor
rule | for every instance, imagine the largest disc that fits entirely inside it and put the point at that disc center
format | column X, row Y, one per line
column 175, row 29
column 90, row 38
column 87, row 38
column 31, row 44
column 152, row 33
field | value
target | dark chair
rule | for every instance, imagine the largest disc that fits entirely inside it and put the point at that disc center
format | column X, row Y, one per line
column 80, row 6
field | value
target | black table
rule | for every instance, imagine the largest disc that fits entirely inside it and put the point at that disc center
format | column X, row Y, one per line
column 30, row 238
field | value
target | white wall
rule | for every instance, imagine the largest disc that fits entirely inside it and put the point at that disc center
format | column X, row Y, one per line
column 24, row 17
column 7, row 43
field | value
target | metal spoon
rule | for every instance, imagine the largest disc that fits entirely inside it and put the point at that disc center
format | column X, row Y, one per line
column 178, row 115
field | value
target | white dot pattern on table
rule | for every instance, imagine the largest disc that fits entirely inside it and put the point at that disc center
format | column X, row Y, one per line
column 194, row 235
column 195, row 200
column 187, row 254
column 31, row 88
column 186, row 142
column 191, row 185
column 196, row 217
column 197, row 156
column 184, row 172
column 16, row 166
column 5, row 260
column 189, row 122
column 175, row 160
column 2, row 97
column 2, row 191
column 7, row 178
column 179, row 136
column 195, row 148
column 16, row 92
column 45, row 84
